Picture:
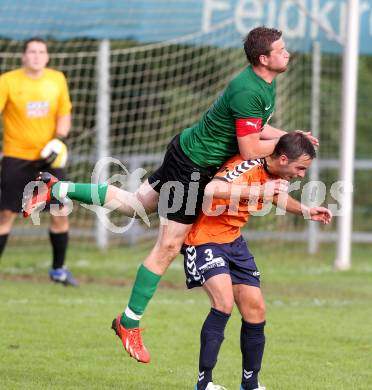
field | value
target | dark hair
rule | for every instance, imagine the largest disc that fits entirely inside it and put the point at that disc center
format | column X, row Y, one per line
column 32, row 39
column 258, row 42
column 294, row 145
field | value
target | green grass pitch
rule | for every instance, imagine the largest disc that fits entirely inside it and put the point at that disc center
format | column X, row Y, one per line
column 319, row 323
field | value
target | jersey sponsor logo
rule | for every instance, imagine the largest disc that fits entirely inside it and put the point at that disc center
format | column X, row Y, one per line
column 268, row 107
column 37, row 109
column 241, row 168
column 252, row 201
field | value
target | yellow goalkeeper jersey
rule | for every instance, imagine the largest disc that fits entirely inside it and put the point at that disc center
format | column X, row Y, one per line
column 30, row 109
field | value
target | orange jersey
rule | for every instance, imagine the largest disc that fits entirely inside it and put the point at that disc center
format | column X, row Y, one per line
column 30, row 110
column 225, row 228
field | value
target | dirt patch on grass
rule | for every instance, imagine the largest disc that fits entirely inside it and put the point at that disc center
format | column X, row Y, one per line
column 83, row 280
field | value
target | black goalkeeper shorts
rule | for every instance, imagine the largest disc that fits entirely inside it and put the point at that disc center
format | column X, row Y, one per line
column 15, row 174
column 180, row 183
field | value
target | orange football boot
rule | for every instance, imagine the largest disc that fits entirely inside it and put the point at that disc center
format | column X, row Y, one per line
column 132, row 342
column 40, row 196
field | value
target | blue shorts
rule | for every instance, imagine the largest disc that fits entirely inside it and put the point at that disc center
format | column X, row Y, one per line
column 204, row 261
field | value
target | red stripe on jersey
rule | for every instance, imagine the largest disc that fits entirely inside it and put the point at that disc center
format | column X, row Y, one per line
column 247, row 126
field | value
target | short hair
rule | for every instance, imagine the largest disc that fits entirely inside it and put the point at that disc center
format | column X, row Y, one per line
column 32, row 39
column 294, row 145
column 258, row 42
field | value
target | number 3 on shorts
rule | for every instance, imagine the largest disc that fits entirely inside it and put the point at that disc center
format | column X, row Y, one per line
column 209, row 254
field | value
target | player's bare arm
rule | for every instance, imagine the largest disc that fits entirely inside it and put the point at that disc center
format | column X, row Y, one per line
column 318, row 214
column 220, row 189
column 251, row 146
column 270, row 132
column 63, row 126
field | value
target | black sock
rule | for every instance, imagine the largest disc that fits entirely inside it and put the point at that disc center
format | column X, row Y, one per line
column 59, row 243
column 252, row 344
column 3, row 240
column 211, row 337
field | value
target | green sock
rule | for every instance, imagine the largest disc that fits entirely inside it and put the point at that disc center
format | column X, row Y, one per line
column 144, row 288
column 83, row 192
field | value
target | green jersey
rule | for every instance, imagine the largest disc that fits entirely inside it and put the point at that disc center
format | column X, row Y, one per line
column 245, row 106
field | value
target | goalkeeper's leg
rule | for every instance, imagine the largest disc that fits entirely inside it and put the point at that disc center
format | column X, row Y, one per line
column 7, row 218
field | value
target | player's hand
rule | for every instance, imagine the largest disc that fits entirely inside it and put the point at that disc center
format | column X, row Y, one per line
column 55, row 153
column 320, row 214
column 274, row 187
column 311, row 138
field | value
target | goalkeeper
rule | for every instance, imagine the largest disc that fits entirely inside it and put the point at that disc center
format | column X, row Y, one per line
column 36, row 110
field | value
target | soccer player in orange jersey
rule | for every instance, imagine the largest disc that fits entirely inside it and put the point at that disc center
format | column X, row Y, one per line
column 218, row 259
column 36, row 111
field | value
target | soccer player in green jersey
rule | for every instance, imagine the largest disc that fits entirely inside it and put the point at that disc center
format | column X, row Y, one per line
column 237, row 122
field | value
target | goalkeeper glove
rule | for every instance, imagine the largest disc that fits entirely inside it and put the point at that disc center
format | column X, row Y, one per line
column 55, row 153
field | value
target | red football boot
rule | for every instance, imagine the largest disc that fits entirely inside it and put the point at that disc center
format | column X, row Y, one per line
column 40, row 196
column 132, row 342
